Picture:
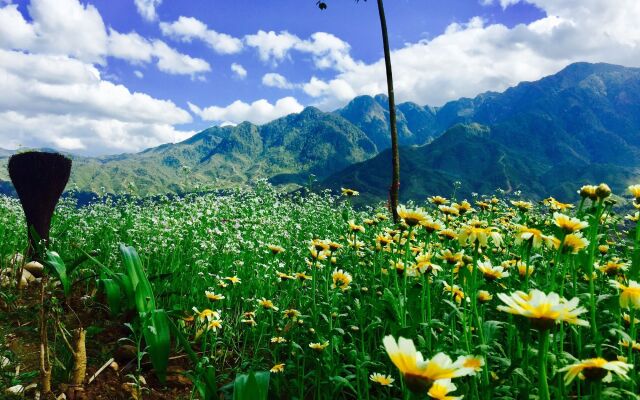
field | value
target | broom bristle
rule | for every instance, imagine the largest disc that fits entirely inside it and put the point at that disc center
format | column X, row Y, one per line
column 39, row 179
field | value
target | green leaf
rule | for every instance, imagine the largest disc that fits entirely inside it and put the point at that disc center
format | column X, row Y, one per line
column 127, row 288
column 342, row 382
column 132, row 264
column 252, row 386
column 112, row 290
column 54, row 262
column 491, row 330
column 144, row 299
column 157, row 335
column 208, row 375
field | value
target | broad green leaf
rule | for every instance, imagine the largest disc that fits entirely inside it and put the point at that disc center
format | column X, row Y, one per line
column 144, row 299
column 54, row 262
column 252, row 386
column 157, row 334
column 112, row 290
column 127, row 288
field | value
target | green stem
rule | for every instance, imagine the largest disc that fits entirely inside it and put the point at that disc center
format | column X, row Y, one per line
column 635, row 260
column 542, row 358
column 593, row 243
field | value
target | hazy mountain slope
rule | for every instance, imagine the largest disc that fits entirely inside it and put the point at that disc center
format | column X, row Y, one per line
column 371, row 114
column 287, row 149
column 579, row 126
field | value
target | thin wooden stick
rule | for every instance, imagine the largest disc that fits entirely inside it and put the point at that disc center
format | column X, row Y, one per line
column 98, row 372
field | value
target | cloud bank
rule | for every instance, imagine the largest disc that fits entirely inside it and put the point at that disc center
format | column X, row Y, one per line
column 468, row 58
column 53, row 94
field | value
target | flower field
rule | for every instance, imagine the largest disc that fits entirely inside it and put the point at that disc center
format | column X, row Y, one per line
column 490, row 298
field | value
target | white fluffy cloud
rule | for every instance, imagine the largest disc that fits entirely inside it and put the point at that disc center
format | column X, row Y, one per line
column 174, row 62
column 129, row 46
column 272, row 46
column 239, row 70
column 52, row 100
column 69, row 28
column 147, row 8
column 258, row 112
column 327, row 50
column 473, row 57
column 276, row 80
column 15, row 31
column 468, row 58
column 53, row 95
column 189, row 28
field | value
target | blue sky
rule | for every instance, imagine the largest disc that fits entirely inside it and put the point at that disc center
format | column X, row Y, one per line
column 107, row 76
column 355, row 23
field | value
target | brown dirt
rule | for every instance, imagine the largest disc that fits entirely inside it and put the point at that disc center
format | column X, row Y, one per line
column 18, row 325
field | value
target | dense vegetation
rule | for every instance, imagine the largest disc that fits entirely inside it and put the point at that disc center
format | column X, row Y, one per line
column 318, row 293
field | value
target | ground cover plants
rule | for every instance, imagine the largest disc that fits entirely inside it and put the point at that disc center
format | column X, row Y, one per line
column 264, row 294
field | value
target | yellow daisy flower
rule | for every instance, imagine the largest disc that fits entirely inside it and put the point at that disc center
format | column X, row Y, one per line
column 522, row 205
column 320, row 245
column 355, row 228
column 437, row 200
column 431, row 225
column 635, row 345
column 464, row 207
column 612, row 267
column 490, row 272
column 635, row 192
column 588, row 191
column 595, row 369
column 484, row 296
column 341, row 279
column 207, row 314
column 629, row 295
column 301, row 276
column 472, row 233
column 275, row 249
column 424, row 264
column 449, row 211
column 420, row 374
column 603, row 191
column 214, row 297
column 283, row 276
column 319, row 346
column 412, row 217
column 383, row 380
column 543, row 310
column 448, row 234
column 456, row 292
column 267, row 304
column 278, row 368
column 349, row 192
column 568, row 224
column 573, row 243
column 524, row 269
column 291, row 313
column 474, row 362
column 533, row 235
column 440, row 390
column 214, row 325
column 556, row 205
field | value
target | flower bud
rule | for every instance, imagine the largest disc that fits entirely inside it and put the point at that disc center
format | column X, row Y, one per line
column 603, row 191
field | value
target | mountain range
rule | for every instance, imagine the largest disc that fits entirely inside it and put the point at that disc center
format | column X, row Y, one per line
column 581, row 125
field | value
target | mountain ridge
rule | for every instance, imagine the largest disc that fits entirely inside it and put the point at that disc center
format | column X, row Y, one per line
column 585, row 116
